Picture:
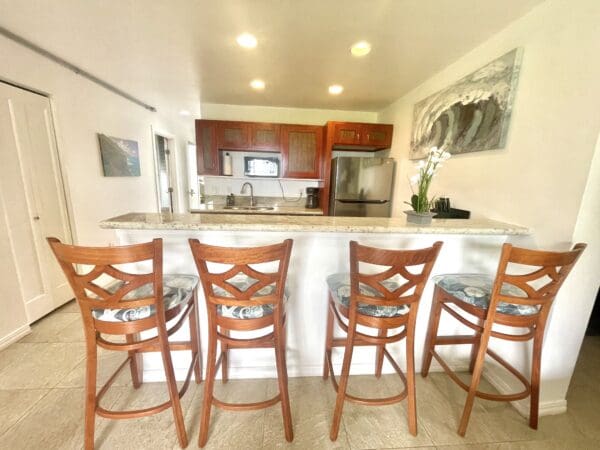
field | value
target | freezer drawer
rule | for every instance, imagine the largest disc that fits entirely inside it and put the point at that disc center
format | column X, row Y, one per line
column 349, row 208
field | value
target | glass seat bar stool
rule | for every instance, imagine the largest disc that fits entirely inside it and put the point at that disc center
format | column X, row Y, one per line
column 243, row 297
column 383, row 301
column 519, row 297
column 128, row 305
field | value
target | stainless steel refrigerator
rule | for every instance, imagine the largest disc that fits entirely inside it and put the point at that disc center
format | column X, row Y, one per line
column 361, row 187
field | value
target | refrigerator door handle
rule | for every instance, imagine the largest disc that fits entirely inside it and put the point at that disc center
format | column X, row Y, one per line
column 373, row 202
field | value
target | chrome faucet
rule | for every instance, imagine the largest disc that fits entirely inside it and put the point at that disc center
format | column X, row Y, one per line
column 243, row 190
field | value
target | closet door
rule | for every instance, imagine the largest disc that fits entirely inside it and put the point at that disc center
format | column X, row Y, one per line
column 34, row 197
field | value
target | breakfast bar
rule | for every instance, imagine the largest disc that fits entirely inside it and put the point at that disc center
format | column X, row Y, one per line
column 320, row 249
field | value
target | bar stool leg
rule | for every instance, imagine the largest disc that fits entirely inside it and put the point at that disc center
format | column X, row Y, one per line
column 328, row 339
column 195, row 339
column 475, row 379
column 535, row 378
column 475, row 347
column 410, row 375
column 172, row 386
column 282, row 379
column 90, row 392
column 341, row 394
column 136, row 363
column 225, row 358
column 208, row 386
column 432, row 331
column 379, row 354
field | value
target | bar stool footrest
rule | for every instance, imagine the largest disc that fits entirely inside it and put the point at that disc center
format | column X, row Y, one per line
column 246, row 406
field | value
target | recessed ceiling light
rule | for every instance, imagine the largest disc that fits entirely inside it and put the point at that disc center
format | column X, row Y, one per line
column 361, row 48
column 335, row 89
column 185, row 113
column 246, row 40
column 259, row 85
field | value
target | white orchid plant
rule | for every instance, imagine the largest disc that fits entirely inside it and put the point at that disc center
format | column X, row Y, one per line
column 427, row 169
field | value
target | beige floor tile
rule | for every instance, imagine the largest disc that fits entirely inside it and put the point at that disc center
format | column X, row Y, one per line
column 555, row 444
column 108, row 362
column 16, row 403
column 230, row 429
column 41, row 365
column 152, row 432
column 50, row 328
column 312, row 401
column 69, row 307
column 379, row 426
column 439, row 412
column 55, row 422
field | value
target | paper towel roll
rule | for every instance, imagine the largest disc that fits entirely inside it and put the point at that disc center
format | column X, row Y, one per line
column 227, row 165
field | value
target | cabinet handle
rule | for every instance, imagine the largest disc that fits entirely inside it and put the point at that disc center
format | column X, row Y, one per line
column 36, row 217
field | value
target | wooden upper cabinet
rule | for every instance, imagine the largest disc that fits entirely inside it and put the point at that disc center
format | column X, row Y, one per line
column 369, row 135
column 265, row 136
column 301, row 150
column 377, row 135
column 346, row 133
column 233, row 135
column 207, row 151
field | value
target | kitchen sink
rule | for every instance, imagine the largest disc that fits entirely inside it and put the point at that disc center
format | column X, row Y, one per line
column 250, row 208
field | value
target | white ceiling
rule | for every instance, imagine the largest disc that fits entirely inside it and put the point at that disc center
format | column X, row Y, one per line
column 174, row 54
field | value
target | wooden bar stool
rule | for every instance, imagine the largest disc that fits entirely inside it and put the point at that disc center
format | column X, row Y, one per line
column 243, row 298
column 383, row 301
column 128, row 305
column 518, row 300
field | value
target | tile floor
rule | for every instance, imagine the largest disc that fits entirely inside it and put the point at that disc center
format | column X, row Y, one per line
column 41, row 406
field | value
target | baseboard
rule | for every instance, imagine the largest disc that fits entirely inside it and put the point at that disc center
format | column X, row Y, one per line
column 548, row 408
column 14, row 336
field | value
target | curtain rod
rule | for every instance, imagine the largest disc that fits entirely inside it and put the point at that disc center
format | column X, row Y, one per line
column 78, row 70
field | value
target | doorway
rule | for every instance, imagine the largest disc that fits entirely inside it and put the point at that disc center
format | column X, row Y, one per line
column 164, row 173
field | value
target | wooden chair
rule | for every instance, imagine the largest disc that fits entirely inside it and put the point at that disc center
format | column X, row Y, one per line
column 382, row 302
column 130, row 304
column 518, row 300
column 242, row 298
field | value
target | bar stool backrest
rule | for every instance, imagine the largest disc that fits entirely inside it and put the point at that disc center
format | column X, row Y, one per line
column 539, row 280
column 397, row 263
column 241, row 261
column 91, row 296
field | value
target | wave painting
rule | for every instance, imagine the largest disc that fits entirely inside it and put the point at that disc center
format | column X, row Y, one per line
column 472, row 114
column 120, row 157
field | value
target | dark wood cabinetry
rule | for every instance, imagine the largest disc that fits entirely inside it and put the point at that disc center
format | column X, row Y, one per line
column 207, row 151
column 364, row 136
column 301, row 151
column 265, row 137
column 233, row 135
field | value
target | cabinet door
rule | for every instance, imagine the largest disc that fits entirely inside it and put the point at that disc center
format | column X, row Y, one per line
column 301, row 151
column 265, row 136
column 207, row 152
column 233, row 135
column 346, row 133
column 375, row 135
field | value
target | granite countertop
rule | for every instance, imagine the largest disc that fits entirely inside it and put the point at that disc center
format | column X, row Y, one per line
column 262, row 222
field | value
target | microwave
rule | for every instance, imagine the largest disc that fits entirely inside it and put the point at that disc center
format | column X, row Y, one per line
column 261, row 166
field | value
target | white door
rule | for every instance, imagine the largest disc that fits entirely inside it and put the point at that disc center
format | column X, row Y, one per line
column 34, row 197
column 192, row 178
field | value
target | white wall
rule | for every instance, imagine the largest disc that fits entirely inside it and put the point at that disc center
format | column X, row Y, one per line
column 539, row 178
column 83, row 109
column 301, row 116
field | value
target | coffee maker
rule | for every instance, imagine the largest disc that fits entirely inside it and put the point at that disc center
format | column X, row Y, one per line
column 312, row 197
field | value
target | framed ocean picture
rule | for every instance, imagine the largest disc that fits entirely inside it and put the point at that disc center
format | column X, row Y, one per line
column 470, row 115
column 120, row 157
